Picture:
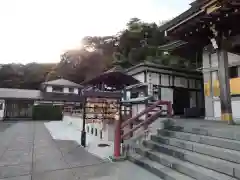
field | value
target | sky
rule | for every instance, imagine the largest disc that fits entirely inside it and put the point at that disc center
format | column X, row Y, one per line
column 41, row 30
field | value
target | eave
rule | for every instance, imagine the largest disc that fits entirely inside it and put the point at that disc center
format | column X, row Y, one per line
column 172, row 45
column 221, row 15
column 189, row 15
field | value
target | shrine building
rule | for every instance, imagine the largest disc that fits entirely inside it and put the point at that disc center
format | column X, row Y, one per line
column 209, row 28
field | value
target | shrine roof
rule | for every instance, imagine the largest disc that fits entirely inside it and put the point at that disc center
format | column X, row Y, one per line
column 136, row 86
column 147, row 65
column 137, row 100
column 203, row 19
column 117, row 78
column 62, row 82
column 195, row 7
column 172, row 45
column 179, row 18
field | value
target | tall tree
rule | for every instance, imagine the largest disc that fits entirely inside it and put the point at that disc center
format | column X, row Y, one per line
column 139, row 41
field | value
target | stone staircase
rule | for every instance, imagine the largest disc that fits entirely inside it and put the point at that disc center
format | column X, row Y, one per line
column 182, row 152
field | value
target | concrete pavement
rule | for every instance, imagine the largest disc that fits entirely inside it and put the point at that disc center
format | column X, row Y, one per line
column 28, row 152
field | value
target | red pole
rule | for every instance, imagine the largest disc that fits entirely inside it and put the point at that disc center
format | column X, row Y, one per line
column 117, row 139
column 169, row 108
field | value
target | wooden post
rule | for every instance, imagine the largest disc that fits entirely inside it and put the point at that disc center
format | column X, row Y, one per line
column 83, row 133
column 169, row 109
column 117, row 137
column 225, row 96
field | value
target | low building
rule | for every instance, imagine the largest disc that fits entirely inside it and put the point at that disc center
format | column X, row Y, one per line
column 18, row 103
column 182, row 87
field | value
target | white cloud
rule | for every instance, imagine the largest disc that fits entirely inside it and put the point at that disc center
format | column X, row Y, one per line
column 40, row 30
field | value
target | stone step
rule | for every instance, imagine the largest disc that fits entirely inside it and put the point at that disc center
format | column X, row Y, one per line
column 226, row 154
column 163, row 172
column 214, row 141
column 189, row 169
column 219, row 165
column 226, row 133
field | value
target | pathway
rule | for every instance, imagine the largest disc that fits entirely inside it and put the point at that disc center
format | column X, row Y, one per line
column 28, row 152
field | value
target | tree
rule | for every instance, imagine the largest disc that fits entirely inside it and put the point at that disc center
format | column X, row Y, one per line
column 138, row 42
column 28, row 76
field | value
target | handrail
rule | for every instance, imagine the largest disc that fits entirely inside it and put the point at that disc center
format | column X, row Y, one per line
column 147, row 110
column 118, row 127
column 147, row 121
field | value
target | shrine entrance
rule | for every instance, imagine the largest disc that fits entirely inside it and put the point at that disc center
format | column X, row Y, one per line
column 180, row 100
column 210, row 27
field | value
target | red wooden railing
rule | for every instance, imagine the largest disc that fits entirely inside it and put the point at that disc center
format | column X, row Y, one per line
column 145, row 122
column 146, row 111
column 148, row 120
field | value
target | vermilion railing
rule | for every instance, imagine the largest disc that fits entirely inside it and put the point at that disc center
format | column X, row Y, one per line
column 147, row 110
column 148, row 120
column 145, row 122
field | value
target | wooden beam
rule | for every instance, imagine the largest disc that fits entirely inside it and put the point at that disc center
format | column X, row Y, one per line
column 234, row 3
column 186, row 20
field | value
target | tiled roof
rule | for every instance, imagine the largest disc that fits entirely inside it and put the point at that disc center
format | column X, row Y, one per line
column 172, row 45
column 61, row 97
column 27, row 94
column 7, row 93
column 179, row 18
column 159, row 66
column 115, row 69
column 62, row 82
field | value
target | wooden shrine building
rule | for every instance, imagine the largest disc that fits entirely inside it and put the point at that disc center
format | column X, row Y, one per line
column 212, row 26
column 111, row 80
column 102, row 104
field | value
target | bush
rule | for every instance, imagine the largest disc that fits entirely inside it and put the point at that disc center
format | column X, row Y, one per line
column 47, row 112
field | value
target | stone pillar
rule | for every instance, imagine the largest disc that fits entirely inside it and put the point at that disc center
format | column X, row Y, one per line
column 224, row 83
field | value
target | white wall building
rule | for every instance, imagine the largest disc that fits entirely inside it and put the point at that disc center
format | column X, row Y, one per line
column 61, row 86
column 184, row 88
column 18, row 103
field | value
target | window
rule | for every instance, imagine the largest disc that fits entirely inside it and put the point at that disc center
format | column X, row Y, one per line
column 67, row 109
column 171, row 80
column 128, row 95
column 1, row 106
column 233, row 72
column 198, row 84
column 71, row 90
column 88, row 129
column 57, row 89
column 192, row 83
column 214, row 75
column 101, row 135
column 96, row 132
column 180, row 82
column 183, row 82
column 134, row 94
column 91, row 130
column 164, row 80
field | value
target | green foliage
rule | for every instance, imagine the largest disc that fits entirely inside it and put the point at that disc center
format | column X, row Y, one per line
column 47, row 112
column 27, row 76
column 138, row 42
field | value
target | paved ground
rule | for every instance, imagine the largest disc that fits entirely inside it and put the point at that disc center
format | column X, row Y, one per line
column 27, row 152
